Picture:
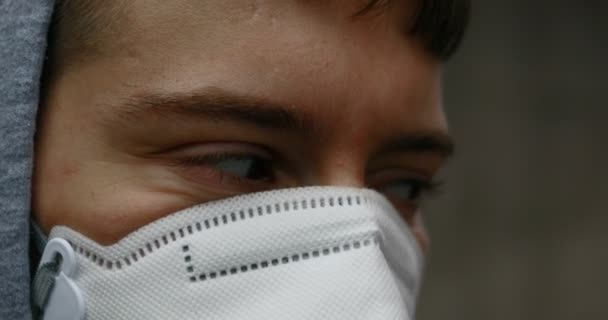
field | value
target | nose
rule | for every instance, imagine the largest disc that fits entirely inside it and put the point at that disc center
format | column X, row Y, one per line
column 346, row 171
column 339, row 169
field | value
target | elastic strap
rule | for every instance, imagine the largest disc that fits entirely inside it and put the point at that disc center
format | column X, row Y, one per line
column 43, row 284
column 39, row 238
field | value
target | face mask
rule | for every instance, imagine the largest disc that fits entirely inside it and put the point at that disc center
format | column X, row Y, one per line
column 304, row 253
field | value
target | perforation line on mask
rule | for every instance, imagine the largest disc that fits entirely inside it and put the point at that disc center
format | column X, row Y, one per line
column 216, row 221
column 273, row 262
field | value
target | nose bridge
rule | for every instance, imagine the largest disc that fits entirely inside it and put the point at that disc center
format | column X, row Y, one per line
column 338, row 167
column 341, row 156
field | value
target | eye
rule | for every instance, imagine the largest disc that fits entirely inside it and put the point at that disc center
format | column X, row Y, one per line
column 405, row 190
column 408, row 190
column 249, row 167
column 235, row 167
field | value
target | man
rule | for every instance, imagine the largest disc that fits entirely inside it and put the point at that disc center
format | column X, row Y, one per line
column 149, row 109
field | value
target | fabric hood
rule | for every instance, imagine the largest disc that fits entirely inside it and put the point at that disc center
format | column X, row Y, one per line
column 23, row 30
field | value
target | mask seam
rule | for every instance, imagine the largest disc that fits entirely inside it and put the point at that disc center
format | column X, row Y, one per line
column 344, row 247
column 219, row 221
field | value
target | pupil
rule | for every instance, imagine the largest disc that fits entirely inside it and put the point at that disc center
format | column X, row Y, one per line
column 248, row 168
column 257, row 170
column 404, row 191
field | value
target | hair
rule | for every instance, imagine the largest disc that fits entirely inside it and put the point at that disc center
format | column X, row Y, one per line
column 85, row 26
column 439, row 24
column 81, row 27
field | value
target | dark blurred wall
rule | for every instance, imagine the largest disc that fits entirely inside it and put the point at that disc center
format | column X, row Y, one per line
column 521, row 231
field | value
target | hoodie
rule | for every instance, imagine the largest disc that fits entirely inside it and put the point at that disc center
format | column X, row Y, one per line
column 23, row 29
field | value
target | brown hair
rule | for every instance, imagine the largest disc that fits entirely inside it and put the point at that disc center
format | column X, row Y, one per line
column 439, row 24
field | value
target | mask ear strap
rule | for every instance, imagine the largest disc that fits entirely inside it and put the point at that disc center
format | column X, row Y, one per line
column 43, row 284
column 38, row 236
column 55, row 296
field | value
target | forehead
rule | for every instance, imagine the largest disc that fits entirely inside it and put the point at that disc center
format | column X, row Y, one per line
column 305, row 54
column 212, row 25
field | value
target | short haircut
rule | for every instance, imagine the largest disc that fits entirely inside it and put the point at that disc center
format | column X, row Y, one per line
column 81, row 27
column 440, row 24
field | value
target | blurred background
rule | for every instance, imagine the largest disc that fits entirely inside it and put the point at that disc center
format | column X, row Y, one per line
column 521, row 229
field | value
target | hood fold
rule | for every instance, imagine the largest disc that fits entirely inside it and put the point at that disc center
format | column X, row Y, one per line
column 23, row 29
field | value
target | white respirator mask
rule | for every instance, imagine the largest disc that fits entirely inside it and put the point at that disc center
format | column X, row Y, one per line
column 303, row 253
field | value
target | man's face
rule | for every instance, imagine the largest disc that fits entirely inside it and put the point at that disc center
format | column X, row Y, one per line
column 202, row 100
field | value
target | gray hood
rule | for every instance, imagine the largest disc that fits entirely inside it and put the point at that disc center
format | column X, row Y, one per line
column 23, row 29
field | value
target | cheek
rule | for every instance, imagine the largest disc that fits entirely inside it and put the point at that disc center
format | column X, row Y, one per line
column 112, row 215
column 420, row 233
column 104, row 203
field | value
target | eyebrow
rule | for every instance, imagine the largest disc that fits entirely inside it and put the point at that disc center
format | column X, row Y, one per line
column 217, row 105
column 437, row 142
column 220, row 105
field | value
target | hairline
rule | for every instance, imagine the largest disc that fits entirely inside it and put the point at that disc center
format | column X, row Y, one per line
column 439, row 25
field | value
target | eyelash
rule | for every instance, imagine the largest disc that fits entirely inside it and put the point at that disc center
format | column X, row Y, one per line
column 422, row 188
column 425, row 187
column 212, row 161
column 214, row 157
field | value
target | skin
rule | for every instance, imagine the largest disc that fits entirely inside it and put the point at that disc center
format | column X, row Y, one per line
column 105, row 167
